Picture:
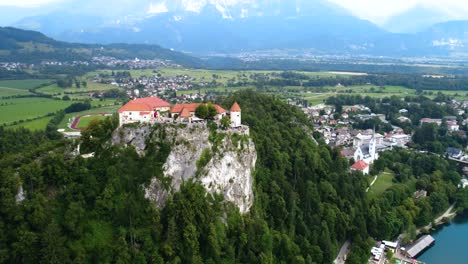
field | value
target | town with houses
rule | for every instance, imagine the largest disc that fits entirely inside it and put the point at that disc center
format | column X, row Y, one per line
column 102, row 61
column 363, row 146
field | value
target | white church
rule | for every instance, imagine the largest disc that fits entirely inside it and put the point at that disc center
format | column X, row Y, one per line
column 366, row 152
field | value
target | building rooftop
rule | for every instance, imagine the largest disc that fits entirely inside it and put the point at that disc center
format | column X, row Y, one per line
column 235, row 107
column 420, row 244
column 360, row 165
column 144, row 104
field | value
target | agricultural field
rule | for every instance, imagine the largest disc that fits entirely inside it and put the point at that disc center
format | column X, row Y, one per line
column 38, row 124
column 221, row 76
column 383, row 182
column 101, row 110
column 20, row 87
column 91, row 87
column 17, row 109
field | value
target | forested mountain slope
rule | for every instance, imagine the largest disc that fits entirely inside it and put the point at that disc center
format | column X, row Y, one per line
column 17, row 45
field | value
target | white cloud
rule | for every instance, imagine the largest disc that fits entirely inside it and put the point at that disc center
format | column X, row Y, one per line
column 28, row 3
column 379, row 11
column 158, row 8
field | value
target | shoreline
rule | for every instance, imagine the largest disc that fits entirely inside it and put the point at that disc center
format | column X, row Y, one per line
column 448, row 214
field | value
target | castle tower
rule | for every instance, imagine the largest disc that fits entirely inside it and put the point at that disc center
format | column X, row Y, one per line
column 235, row 115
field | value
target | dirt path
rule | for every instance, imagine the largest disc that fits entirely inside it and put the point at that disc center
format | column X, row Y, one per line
column 343, row 252
column 439, row 219
column 372, row 183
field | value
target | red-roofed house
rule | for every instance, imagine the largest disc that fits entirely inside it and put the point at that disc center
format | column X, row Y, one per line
column 142, row 110
column 453, row 126
column 183, row 109
column 361, row 166
column 431, row 121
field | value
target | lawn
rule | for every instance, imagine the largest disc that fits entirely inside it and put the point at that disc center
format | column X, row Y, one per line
column 19, row 87
column 24, row 84
column 91, row 87
column 38, row 124
column 70, row 117
column 7, row 91
column 25, row 108
column 84, row 121
column 384, row 181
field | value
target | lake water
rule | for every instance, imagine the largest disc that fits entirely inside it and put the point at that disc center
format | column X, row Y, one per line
column 451, row 244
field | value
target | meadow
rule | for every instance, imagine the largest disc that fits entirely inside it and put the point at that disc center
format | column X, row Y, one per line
column 84, row 121
column 17, row 109
column 20, row 87
column 38, row 124
column 91, row 87
column 383, row 182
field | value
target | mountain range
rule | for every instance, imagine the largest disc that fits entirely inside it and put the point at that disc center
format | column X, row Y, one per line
column 215, row 26
column 17, row 45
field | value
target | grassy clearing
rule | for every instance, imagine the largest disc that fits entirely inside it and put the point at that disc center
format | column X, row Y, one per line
column 84, row 121
column 91, row 87
column 70, row 117
column 384, row 181
column 7, row 91
column 39, row 124
column 25, row 108
column 24, row 84
column 19, row 87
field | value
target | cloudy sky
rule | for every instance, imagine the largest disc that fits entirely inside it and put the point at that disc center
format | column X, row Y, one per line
column 377, row 11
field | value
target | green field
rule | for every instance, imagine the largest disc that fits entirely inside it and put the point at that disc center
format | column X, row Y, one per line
column 222, row 76
column 7, row 91
column 24, row 84
column 384, row 181
column 70, row 117
column 25, row 108
column 19, row 87
column 91, row 87
column 39, row 124
column 84, row 121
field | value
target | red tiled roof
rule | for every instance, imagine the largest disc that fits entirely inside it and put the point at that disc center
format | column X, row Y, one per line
column 360, row 165
column 235, row 107
column 134, row 107
column 219, row 109
column 185, row 113
column 144, row 104
column 177, row 109
column 348, row 152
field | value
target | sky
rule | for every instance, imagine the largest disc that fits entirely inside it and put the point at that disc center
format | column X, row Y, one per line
column 377, row 11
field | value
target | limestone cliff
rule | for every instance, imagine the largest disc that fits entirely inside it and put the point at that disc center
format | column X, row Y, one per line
column 222, row 162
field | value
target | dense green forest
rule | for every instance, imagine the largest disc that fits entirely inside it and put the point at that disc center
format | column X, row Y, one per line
column 396, row 211
column 94, row 210
column 306, row 202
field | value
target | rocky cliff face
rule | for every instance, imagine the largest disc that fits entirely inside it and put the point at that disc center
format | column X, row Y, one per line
column 223, row 163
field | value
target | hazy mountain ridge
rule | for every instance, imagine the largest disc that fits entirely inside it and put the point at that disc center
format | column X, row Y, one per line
column 18, row 45
column 216, row 26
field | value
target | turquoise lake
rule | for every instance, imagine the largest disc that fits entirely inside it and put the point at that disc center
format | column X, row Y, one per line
column 451, row 244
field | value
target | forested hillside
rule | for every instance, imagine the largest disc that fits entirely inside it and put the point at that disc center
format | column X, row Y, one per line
column 94, row 210
column 27, row 46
